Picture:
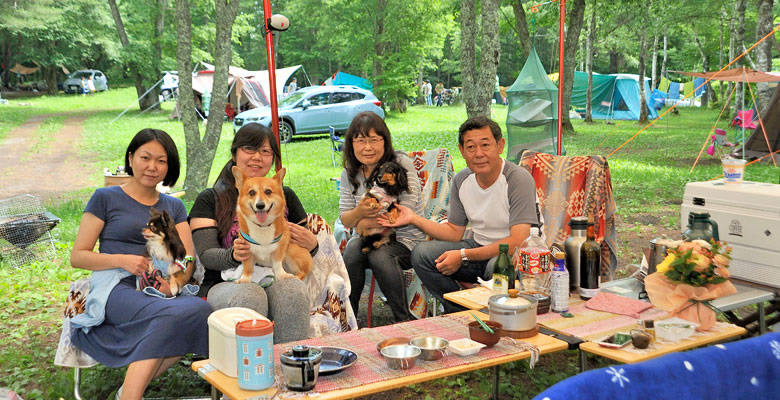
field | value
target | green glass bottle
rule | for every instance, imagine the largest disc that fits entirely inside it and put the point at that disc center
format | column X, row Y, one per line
column 503, row 272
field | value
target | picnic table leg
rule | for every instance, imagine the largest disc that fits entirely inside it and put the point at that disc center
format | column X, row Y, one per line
column 582, row 360
column 495, row 382
column 214, row 393
column 761, row 318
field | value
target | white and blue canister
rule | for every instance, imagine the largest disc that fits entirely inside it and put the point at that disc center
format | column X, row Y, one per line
column 255, row 354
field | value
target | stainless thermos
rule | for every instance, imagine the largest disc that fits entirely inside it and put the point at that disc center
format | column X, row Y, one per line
column 579, row 229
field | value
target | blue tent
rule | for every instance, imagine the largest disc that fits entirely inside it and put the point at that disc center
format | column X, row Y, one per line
column 343, row 78
column 614, row 96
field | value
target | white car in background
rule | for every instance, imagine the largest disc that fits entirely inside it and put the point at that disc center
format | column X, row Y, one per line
column 73, row 83
column 313, row 109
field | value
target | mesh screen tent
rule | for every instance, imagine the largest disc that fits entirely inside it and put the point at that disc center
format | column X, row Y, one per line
column 531, row 119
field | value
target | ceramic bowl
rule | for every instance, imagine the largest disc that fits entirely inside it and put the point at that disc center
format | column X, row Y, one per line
column 401, row 356
column 477, row 334
column 432, row 347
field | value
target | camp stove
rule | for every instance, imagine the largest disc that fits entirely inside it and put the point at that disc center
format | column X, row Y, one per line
column 748, row 218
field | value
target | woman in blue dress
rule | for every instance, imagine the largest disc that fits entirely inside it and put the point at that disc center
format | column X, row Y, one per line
column 121, row 325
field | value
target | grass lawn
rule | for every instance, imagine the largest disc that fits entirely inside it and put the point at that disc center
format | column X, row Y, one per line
column 648, row 177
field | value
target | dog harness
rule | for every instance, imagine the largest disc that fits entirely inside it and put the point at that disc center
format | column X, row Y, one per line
column 250, row 240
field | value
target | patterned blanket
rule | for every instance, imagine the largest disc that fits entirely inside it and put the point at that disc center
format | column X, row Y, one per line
column 745, row 369
column 575, row 186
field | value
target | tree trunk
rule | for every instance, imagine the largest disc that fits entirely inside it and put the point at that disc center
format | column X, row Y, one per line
column 705, row 63
column 379, row 42
column 613, row 60
column 763, row 51
column 200, row 152
column 589, row 39
column 159, row 29
column 732, row 44
column 739, row 40
column 569, row 53
column 663, row 63
column 478, row 87
column 147, row 101
column 643, row 111
column 521, row 26
column 653, row 82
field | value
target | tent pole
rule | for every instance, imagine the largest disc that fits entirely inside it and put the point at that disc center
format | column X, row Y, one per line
column 269, row 46
column 139, row 98
column 743, row 111
column 561, row 28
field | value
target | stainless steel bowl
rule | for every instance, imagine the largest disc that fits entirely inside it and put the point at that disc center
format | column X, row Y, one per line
column 432, row 347
column 401, row 356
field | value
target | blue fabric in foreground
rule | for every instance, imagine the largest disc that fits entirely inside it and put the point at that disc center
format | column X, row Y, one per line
column 745, row 369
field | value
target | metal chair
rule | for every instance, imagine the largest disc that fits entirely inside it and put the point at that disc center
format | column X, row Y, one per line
column 336, row 145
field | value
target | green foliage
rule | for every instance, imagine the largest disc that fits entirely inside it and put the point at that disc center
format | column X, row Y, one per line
column 648, row 177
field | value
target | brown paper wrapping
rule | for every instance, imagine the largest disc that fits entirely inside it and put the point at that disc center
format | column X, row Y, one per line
column 676, row 298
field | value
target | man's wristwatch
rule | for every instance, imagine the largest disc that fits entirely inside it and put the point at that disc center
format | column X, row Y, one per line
column 464, row 261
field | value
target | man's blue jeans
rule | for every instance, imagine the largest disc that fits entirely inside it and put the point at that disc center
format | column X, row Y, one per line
column 424, row 258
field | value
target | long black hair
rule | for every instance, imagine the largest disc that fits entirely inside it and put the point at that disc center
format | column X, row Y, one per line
column 252, row 135
column 147, row 135
column 361, row 125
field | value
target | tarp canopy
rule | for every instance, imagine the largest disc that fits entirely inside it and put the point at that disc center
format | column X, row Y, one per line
column 532, row 113
column 736, row 75
column 756, row 145
column 614, row 96
column 246, row 86
column 22, row 70
column 343, row 78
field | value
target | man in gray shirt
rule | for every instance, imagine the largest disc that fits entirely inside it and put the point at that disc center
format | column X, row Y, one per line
column 497, row 198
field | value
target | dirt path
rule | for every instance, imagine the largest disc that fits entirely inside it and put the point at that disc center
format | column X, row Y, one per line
column 47, row 167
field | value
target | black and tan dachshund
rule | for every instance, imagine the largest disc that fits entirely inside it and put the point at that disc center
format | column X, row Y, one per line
column 385, row 186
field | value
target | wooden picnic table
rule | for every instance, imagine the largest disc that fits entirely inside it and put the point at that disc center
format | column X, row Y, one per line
column 229, row 386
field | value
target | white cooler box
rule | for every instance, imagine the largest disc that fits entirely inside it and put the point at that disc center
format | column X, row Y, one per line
column 748, row 218
column 222, row 337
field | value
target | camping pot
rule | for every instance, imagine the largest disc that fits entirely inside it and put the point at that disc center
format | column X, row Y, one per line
column 301, row 366
column 700, row 226
column 514, row 311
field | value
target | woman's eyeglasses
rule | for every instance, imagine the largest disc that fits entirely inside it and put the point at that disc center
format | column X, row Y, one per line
column 373, row 141
column 265, row 152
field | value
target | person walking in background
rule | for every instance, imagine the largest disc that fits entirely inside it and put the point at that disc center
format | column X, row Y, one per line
column 497, row 93
column 84, row 87
column 429, row 93
column 439, row 90
column 91, row 86
column 293, row 86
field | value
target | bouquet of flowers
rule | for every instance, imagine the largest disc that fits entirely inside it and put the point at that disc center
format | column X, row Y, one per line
column 692, row 274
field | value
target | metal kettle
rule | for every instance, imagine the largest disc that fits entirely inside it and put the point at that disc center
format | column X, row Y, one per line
column 700, row 226
column 301, row 366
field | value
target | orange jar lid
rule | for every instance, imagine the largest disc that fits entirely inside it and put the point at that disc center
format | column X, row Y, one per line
column 254, row 327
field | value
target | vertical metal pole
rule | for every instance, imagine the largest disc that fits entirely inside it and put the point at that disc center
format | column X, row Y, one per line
column 761, row 318
column 582, row 360
column 562, row 30
column 269, row 46
column 743, row 112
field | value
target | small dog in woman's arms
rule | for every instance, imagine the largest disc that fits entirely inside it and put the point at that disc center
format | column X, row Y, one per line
column 385, row 186
column 167, row 254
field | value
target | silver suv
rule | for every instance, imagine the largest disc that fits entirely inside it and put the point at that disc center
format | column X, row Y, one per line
column 73, row 83
column 313, row 109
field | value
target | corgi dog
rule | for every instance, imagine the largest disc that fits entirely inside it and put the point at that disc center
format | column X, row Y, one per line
column 385, row 185
column 260, row 210
column 166, row 250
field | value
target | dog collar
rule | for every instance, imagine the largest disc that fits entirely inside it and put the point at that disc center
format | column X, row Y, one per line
column 250, row 240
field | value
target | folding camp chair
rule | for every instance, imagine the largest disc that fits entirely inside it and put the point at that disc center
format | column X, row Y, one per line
column 336, row 145
column 744, row 117
column 720, row 144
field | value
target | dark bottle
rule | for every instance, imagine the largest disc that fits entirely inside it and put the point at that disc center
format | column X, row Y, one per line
column 590, row 265
column 503, row 272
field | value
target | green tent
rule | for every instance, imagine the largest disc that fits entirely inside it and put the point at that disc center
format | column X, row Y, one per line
column 531, row 119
